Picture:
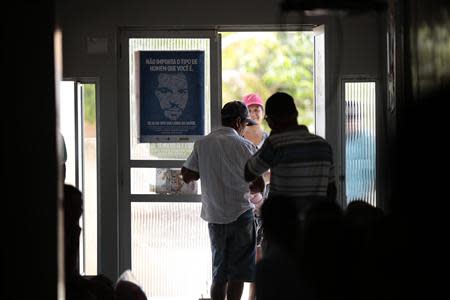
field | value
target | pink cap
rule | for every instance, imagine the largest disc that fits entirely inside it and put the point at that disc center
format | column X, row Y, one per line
column 252, row 99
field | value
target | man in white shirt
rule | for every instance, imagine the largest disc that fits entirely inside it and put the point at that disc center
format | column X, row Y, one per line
column 219, row 160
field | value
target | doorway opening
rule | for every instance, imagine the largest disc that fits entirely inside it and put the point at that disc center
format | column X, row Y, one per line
column 162, row 238
column 266, row 62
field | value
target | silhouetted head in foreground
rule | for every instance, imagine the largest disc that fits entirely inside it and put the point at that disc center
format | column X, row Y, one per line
column 281, row 112
column 127, row 290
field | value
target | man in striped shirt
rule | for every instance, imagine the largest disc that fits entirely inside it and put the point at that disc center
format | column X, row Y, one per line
column 301, row 163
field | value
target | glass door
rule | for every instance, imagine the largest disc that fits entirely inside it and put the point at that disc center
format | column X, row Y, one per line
column 170, row 98
column 359, row 115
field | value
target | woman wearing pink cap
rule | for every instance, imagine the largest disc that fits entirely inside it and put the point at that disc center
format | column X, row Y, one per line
column 255, row 106
column 256, row 135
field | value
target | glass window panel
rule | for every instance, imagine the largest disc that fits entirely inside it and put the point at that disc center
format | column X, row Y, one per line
column 78, row 127
column 90, row 179
column 67, row 127
column 360, row 148
column 165, row 181
column 171, row 256
column 162, row 151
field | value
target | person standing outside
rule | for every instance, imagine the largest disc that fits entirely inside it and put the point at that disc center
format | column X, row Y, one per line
column 257, row 136
column 360, row 155
column 301, row 163
column 219, row 159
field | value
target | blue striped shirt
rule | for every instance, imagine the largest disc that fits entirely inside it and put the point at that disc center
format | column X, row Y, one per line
column 301, row 164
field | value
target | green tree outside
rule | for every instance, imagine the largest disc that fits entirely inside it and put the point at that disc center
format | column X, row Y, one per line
column 267, row 62
column 89, row 103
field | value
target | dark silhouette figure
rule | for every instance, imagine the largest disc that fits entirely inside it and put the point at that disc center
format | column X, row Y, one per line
column 293, row 154
column 419, row 210
column 79, row 287
column 363, row 245
column 127, row 290
column 278, row 275
column 73, row 209
column 321, row 261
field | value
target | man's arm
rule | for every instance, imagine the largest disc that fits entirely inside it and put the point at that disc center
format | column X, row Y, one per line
column 189, row 175
column 249, row 176
column 260, row 162
column 257, row 185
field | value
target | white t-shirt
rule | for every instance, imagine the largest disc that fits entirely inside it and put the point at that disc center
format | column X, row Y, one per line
column 220, row 158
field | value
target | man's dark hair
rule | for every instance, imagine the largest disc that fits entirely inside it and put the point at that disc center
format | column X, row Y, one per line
column 233, row 110
column 280, row 106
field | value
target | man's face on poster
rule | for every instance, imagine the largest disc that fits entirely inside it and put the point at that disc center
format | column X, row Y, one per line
column 172, row 94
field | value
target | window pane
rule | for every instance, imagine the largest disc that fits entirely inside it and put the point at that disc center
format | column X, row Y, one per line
column 166, row 181
column 90, row 179
column 266, row 62
column 360, row 141
column 78, row 127
column 171, row 256
column 157, row 151
column 67, row 127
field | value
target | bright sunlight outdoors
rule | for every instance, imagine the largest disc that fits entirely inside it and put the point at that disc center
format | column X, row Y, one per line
column 267, row 62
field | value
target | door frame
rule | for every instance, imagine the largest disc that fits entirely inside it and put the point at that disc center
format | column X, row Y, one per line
column 123, row 220
column 125, row 163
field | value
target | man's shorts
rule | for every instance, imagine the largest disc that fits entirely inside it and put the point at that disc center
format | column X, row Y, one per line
column 233, row 249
